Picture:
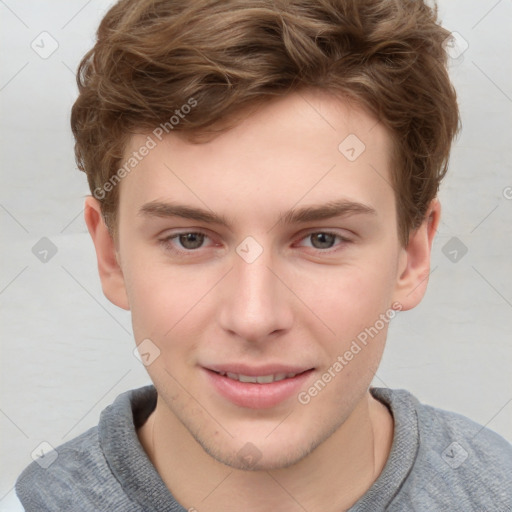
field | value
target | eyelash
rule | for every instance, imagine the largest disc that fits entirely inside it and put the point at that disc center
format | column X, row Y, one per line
column 167, row 242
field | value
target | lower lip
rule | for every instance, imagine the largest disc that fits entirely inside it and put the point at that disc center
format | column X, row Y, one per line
column 257, row 396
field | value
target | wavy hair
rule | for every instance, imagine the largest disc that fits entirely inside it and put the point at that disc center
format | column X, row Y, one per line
column 152, row 56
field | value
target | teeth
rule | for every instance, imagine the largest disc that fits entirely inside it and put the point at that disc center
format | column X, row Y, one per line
column 265, row 379
column 259, row 379
column 245, row 378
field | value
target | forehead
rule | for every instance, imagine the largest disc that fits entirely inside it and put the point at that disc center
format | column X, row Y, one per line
column 307, row 147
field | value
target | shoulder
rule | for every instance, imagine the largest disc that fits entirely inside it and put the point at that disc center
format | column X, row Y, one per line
column 77, row 475
column 460, row 464
column 61, row 479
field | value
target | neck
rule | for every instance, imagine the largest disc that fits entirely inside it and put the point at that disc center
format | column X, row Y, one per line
column 331, row 478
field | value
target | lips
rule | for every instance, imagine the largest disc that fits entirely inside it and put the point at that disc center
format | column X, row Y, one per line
column 258, row 379
column 257, row 387
column 257, row 371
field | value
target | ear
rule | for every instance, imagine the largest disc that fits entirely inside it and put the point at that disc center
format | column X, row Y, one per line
column 111, row 275
column 414, row 266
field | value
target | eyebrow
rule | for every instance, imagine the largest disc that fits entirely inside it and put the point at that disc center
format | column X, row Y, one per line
column 331, row 209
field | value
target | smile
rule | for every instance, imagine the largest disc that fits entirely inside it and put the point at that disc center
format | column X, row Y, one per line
column 259, row 379
column 261, row 390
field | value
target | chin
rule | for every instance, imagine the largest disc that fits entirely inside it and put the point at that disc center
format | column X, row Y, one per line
column 260, row 453
column 251, row 458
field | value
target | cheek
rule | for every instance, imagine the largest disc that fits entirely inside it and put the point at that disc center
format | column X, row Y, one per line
column 164, row 298
column 351, row 298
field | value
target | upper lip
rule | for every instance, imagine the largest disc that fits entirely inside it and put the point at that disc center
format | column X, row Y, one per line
column 255, row 371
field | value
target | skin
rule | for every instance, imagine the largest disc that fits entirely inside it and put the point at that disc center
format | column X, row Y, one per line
column 295, row 304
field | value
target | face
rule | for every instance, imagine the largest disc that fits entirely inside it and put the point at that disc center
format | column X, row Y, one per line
column 265, row 252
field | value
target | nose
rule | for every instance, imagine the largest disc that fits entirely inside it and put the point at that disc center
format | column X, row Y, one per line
column 254, row 301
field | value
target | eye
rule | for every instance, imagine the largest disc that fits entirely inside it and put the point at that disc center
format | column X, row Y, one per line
column 191, row 240
column 184, row 242
column 323, row 240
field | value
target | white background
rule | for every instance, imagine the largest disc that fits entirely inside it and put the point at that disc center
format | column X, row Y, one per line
column 67, row 352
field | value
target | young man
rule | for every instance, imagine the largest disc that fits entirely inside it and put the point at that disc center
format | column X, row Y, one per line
column 264, row 178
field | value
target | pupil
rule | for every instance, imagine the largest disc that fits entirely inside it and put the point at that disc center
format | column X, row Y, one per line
column 191, row 240
column 322, row 240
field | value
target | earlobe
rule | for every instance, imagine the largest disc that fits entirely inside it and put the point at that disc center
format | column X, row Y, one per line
column 111, row 275
column 414, row 268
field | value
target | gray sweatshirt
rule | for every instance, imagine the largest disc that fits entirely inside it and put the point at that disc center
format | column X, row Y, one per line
column 439, row 461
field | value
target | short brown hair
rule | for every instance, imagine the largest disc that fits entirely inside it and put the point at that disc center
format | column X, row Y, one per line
column 152, row 56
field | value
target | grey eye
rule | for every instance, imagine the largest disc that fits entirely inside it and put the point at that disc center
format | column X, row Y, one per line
column 191, row 240
column 322, row 240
